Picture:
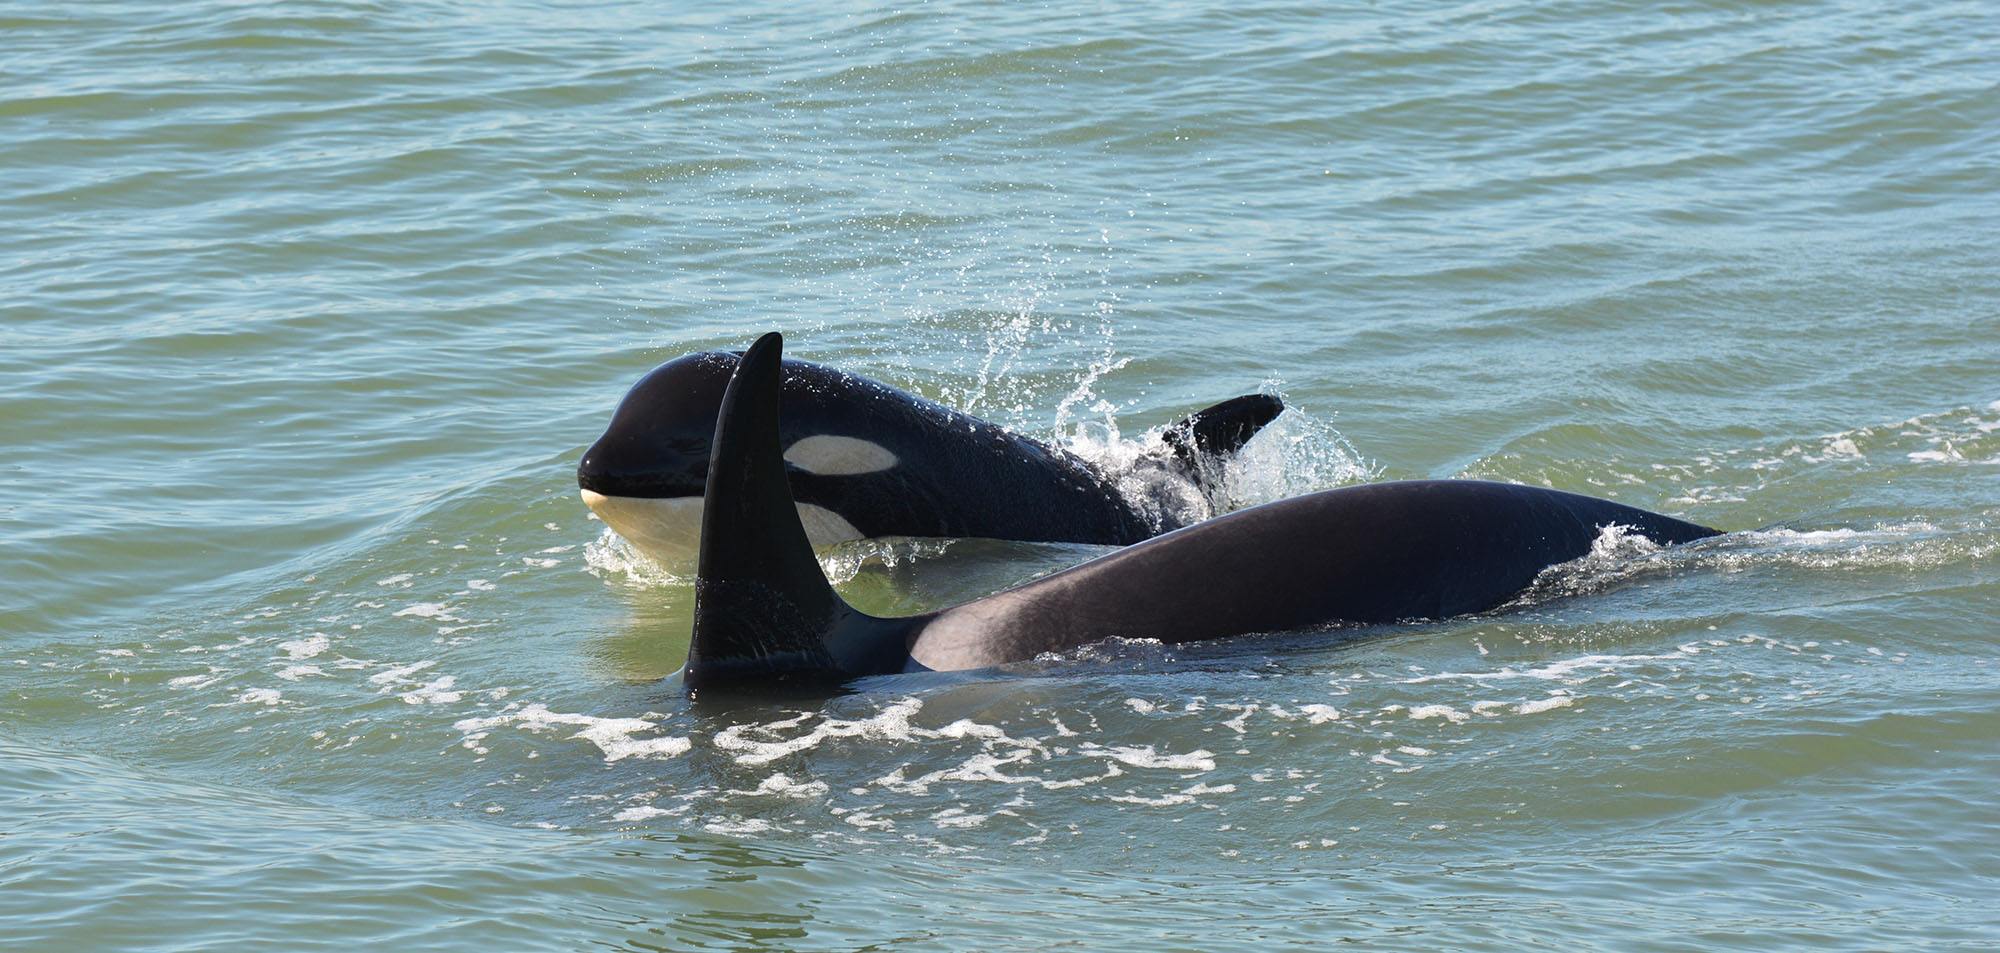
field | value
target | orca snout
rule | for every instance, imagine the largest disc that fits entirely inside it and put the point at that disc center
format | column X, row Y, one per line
column 634, row 466
column 649, row 492
column 656, row 446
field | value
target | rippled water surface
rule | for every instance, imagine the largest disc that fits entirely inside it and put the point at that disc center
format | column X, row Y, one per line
column 310, row 309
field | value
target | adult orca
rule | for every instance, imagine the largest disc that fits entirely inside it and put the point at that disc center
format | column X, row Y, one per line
column 866, row 460
column 765, row 618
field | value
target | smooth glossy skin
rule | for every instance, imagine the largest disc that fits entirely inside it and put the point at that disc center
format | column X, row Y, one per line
column 766, row 618
column 1376, row 553
column 866, row 460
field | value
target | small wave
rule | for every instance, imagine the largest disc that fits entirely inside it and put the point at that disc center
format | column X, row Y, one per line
column 1294, row 455
column 1961, row 436
column 1114, row 652
column 1619, row 556
column 1914, row 544
column 611, row 556
column 846, row 561
column 1570, row 671
column 1616, row 555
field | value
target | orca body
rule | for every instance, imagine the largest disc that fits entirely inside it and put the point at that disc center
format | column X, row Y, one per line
column 866, row 460
column 765, row 618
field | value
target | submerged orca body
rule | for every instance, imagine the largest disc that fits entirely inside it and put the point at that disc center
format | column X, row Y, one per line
column 765, row 617
column 866, row 460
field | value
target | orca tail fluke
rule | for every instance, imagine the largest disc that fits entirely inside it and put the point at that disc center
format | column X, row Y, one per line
column 1221, row 430
column 764, row 614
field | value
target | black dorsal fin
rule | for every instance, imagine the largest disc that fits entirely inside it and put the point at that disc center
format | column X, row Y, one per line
column 1220, row 430
column 764, row 614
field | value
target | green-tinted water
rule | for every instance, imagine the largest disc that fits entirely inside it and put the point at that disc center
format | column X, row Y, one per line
column 305, row 640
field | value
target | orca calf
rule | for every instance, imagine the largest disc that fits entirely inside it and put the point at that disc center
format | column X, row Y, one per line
column 765, row 618
column 866, row 460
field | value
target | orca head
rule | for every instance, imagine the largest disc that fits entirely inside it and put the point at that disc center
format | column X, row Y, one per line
column 644, row 477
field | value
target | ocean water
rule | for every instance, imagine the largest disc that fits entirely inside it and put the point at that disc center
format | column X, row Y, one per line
column 310, row 308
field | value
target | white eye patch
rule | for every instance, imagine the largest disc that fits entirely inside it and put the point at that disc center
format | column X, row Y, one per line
column 839, row 456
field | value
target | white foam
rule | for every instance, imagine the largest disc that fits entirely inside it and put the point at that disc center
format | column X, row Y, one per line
column 305, row 648
column 1914, row 544
column 979, row 767
column 1164, row 800
column 892, row 723
column 1886, row 533
column 400, row 673
column 437, row 692
column 612, row 736
column 842, row 563
column 1294, row 454
column 614, row 555
column 1617, row 553
column 967, row 728
column 1573, row 671
column 958, row 817
column 1446, row 712
column 260, row 696
column 293, row 673
column 1546, row 704
column 1319, row 714
column 780, row 785
column 1950, row 437
column 1146, row 757
column 865, row 819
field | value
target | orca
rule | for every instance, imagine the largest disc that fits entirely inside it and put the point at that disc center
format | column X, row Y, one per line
column 866, row 460
column 766, row 620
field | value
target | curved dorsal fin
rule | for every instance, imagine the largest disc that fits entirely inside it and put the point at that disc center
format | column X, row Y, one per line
column 1220, row 430
column 764, row 614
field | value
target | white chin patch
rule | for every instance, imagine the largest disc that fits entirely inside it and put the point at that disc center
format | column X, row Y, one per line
column 669, row 531
column 839, row 456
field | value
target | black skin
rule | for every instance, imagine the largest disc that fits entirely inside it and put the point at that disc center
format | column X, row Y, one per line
column 1360, row 555
column 767, row 621
column 957, row 475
